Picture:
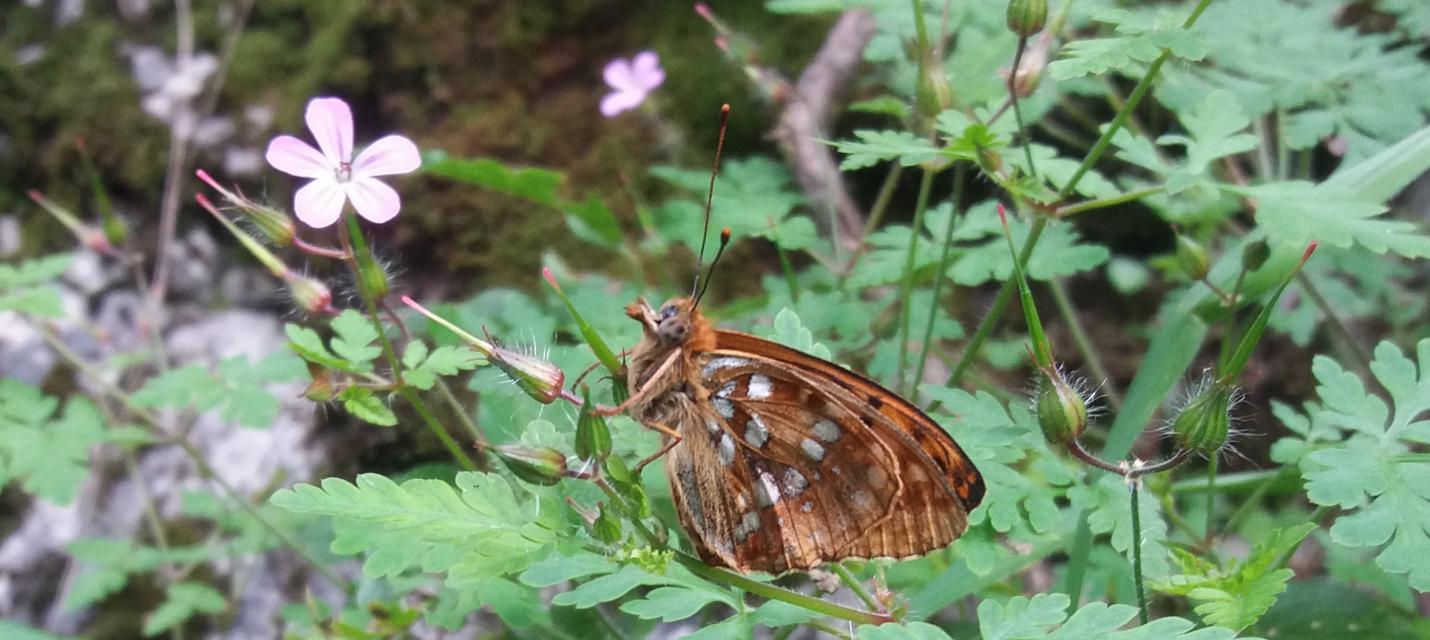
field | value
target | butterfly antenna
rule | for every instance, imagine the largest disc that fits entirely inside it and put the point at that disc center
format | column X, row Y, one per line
column 710, row 198
column 724, row 242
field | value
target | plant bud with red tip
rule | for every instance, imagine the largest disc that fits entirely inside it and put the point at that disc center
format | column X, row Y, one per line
column 538, row 465
column 538, row 378
column 310, row 295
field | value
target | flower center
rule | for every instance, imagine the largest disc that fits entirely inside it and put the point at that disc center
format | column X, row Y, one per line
column 344, row 171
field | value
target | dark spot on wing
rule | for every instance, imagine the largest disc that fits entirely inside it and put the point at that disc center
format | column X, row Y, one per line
column 876, row 402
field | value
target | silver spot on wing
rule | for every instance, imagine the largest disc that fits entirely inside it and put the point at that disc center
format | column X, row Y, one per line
column 727, row 449
column 826, row 430
column 769, row 491
column 812, row 449
column 723, row 362
column 756, row 433
column 795, row 483
column 760, row 387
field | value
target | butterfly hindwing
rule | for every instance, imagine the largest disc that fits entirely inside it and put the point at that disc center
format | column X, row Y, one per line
column 815, row 473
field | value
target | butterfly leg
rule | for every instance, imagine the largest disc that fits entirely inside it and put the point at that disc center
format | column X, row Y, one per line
column 588, row 370
column 672, row 438
column 640, row 394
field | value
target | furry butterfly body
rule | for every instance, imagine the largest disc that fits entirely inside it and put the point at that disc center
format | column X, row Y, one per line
column 780, row 461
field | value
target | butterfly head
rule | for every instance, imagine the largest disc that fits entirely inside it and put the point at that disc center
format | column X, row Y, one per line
column 676, row 323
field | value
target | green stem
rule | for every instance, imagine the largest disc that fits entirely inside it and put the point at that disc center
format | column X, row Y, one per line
column 461, row 413
column 995, row 313
column 1137, row 554
column 1251, row 502
column 354, row 242
column 906, row 290
column 1110, row 201
column 881, row 201
column 849, row 580
column 1314, row 293
column 788, row 270
column 1211, row 502
column 1084, row 344
column 1017, row 109
column 437, row 429
column 960, row 175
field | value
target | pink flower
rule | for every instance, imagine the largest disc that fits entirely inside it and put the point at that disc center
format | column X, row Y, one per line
column 337, row 177
column 632, row 80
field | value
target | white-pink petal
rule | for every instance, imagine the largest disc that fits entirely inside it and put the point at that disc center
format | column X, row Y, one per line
column 319, row 203
column 614, row 103
column 618, row 75
column 373, row 200
column 295, row 157
column 331, row 122
column 390, row 155
column 646, row 71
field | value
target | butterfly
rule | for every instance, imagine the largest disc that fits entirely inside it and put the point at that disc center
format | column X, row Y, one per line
column 780, row 461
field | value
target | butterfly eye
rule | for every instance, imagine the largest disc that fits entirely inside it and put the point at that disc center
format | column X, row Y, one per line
column 667, row 312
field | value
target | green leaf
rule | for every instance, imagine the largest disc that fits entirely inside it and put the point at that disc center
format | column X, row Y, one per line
column 28, row 286
column 421, row 367
column 1237, row 597
column 1297, row 212
column 354, row 338
column 1144, row 35
column 1021, row 474
column 670, row 604
column 754, row 197
column 1368, row 469
column 1321, row 76
column 789, row 331
column 1213, row 128
column 1027, row 619
column 874, row 147
column 1109, row 507
column 16, row 631
column 185, row 600
column 909, row 631
column 47, row 453
column 477, row 530
column 1059, row 251
column 238, row 389
column 363, row 404
column 886, row 104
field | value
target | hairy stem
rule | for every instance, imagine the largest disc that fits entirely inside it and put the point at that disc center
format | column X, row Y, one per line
column 1137, row 552
column 849, row 580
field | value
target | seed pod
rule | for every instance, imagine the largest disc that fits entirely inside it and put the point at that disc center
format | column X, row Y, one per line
column 1204, row 424
column 1255, row 254
column 1062, row 412
column 1027, row 17
column 374, row 277
column 537, row 465
column 1192, row 258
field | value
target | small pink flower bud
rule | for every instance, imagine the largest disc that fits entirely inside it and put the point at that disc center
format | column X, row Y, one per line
column 88, row 236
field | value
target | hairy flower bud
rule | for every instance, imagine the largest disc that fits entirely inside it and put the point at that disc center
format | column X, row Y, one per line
column 1192, row 258
column 1027, row 17
column 372, row 274
column 1062, row 412
column 537, row 465
column 989, row 160
column 1255, row 254
column 310, row 295
column 321, row 388
column 272, row 223
column 538, row 378
column 1205, row 423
